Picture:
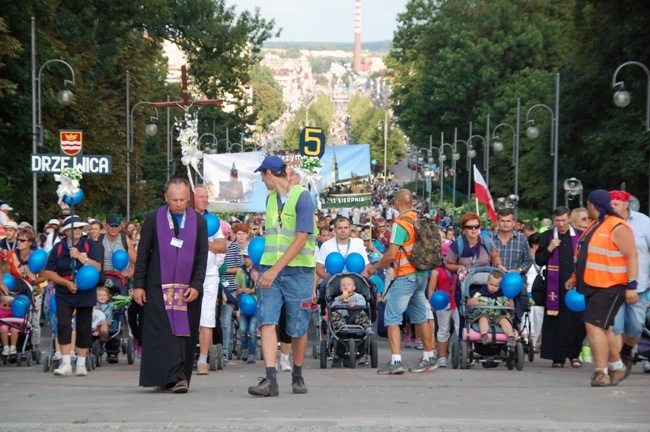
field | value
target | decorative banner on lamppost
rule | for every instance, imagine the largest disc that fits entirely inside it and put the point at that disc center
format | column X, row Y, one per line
column 234, row 187
column 312, row 142
column 71, row 157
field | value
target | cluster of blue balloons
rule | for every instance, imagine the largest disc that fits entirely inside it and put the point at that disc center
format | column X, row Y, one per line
column 247, row 304
column 512, row 284
column 353, row 263
column 575, row 301
column 213, row 224
column 256, row 250
column 75, row 199
column 20, row 306
column 120, row 260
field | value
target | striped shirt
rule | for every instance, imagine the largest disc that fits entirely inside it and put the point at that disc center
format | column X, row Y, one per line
column 234, row 260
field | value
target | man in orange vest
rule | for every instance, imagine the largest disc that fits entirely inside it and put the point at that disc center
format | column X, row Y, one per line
column 407, row 290
column 606, row 272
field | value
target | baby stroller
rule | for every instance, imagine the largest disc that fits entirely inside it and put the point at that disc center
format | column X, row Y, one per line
column 350, row 341
column 119, row 338
column 470, row 348
column 24, row 348
column 643, row 346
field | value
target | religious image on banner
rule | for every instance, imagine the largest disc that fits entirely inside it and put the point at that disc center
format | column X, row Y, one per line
column 233, row 186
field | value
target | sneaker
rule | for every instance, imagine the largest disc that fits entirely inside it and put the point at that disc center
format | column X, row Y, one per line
column 251, row 359
column 425, row 366
column 417, row 344
column 112, row 358
column 391, row 369
column 181, row 387
column 5, row 350
column 442, row 362
column 264, row 388
column 298, row 385
column 485, row 339
column 12, row 350
column 336, row 362
column 616, row 376
column 63, row 370
column 627, row 361
column 284, row 365
column 224, row 362
column 369, row 331
column 56, row 356
column 585, row 354
column 81, row 370
column 363, row 361
column 646, row 366
column 600, row 379
column 202, row 369
column 511, row 342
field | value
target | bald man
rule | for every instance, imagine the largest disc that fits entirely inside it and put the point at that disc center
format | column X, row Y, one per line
column 407, row 290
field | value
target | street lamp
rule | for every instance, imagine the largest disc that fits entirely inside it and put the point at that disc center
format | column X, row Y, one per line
column 150, row 130
column 622, row 97
column 64, row 97
column 417, row 166
column 441, row 159
column 382, row 125
column 471, row 154
column 498, row 145
column 532, row 132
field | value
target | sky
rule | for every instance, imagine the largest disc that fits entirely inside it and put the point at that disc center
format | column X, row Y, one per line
column 327, row 20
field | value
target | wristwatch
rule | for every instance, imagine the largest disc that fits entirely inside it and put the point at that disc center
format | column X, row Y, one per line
column 632, row 284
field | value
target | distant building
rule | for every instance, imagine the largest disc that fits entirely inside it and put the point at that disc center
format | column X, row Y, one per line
column 231, row 190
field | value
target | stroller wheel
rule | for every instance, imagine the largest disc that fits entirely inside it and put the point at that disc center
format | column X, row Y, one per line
column 520, row 356
column 130, row 351
column 219, row 356
column 464, row 355
column 352, row 353
column 323, row 354
column 28, row 358
column 314, row 351
column 46, row 364
column 374, row 356
column 37, row 356
column 212, row 357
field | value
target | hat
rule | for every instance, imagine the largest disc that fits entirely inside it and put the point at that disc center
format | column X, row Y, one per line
column 114, row 220
column 11, row 225
column 272, row 163
column 73, row 221
column 24, row 225
column 365, row 235
column 244, row 251
column 64, row 213
column 53, row 222
column 620, row 195
column 602, row 202
column 6, row 207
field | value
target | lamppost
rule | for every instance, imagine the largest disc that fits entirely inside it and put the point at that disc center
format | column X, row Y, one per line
column 64, row 97
column 498, row 144
column 417, row 167
column 622, row 97
column 150, row 129
column 486, row 144
column 441, row 159
column 532, row 132
column 382, row 125
column 471, row 154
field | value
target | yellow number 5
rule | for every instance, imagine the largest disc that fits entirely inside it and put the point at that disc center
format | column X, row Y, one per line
column 313, row 142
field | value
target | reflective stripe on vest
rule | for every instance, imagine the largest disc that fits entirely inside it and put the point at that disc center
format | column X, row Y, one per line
column 278, row 237
column 402, row 265
column 606, row 266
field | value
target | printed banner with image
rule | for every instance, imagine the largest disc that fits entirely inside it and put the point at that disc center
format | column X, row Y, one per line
column 233, row 187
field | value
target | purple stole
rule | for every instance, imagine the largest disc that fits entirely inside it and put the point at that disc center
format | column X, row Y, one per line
column 553, row 274
column 176, row 265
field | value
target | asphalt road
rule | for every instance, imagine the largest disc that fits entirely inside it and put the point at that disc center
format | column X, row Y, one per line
column 537, row 398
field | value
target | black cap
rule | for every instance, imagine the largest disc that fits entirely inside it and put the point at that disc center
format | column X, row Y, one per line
column 114, row 220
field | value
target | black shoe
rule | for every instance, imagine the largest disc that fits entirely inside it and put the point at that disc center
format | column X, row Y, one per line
column 265, row 388
column 181, row 387
column 298, row 384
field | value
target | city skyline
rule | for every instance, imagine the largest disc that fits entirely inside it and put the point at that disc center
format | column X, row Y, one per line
column 327, row 20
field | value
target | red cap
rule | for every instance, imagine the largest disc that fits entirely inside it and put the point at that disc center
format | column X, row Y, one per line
column 619, row 195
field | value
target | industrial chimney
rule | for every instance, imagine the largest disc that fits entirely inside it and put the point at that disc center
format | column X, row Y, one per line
column 357, row 36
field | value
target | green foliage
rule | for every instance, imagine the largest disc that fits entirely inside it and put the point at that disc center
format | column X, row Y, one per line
column 320, row 112
column 267, row 103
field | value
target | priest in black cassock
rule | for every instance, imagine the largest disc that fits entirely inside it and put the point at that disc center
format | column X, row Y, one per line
column 168, row 282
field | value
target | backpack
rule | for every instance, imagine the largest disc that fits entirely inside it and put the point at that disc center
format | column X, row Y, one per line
column 484, row 239
column 427, row 249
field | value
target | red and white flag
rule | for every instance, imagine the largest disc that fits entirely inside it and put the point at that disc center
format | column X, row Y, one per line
column 483, row 194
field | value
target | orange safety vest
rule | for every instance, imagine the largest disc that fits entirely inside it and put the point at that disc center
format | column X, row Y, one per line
column 606, row 266
column 402, row 266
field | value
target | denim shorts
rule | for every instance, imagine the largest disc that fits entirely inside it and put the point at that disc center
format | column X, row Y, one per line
column 407, row 291
column 631, row 317
column 295, row 292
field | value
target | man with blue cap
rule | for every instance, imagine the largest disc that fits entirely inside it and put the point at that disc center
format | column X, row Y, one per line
column 605, row 272
column 287, row 272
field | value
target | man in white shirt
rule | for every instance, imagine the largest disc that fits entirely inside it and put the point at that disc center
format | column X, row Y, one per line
column 343, row 244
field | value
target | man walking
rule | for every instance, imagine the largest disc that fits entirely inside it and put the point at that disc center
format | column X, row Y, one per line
column 407, row 290
column 512, row 245
column 606, row 272
column 168, row 281
column 629, row 323
column 216, row 245
column 287, row 272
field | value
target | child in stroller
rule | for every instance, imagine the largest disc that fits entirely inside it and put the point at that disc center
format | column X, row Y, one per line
column 490, row 294
column 347, row 308
column 8, row 332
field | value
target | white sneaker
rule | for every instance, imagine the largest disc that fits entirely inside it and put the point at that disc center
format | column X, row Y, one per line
column 81, row 370
column 5, row 350
column 646, row 366
column 63, row 370
column 12, row 350
column 56, row 356
column 442, row 362
column 284, row 365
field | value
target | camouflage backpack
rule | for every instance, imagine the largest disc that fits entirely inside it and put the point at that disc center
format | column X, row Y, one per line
column 427, row 250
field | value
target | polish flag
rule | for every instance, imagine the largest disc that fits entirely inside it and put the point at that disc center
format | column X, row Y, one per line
column 483, row 194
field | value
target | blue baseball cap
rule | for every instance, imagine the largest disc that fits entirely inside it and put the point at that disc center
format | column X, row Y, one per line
column 272, row 163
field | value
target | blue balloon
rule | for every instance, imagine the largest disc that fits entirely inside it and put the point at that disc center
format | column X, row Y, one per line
column 256, row 249
column 575, row 301
column 37, row 260
column 247, row 304
column 355, row 263
column 9, row 281
column 213, row 224
column 439, row 300
column 87, row 277
column 53, row 304
column 20, row 306
column 120, row 259
column 511, row 284
column 74, row 200
column 334, row 263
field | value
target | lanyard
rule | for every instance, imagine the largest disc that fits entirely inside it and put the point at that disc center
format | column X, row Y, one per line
column 348, row 249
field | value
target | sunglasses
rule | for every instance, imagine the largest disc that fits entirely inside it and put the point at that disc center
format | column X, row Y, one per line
column 472, row 227
column 22, row 240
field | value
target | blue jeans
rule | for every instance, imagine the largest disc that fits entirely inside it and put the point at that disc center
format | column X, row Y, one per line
column 292, row 290
column 226, row 321
column 630, row 319
column 248, row 333
column 407, row 291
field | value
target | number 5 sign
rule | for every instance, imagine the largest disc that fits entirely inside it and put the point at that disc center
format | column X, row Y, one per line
column 312, row 142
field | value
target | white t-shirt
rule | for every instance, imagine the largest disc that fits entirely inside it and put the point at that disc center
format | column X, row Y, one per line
column 213, row 266
column 331, row 245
